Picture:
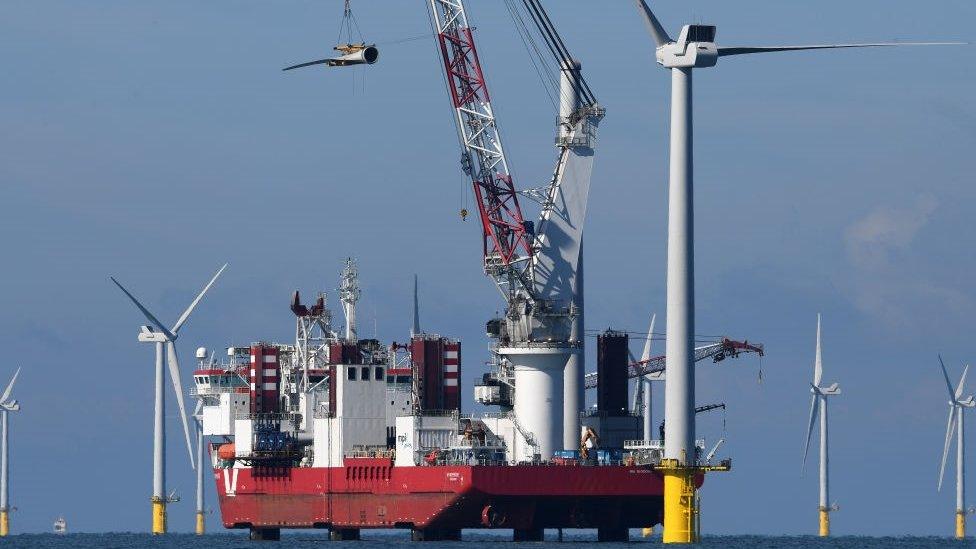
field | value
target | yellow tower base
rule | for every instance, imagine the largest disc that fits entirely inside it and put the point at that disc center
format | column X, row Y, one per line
column 960, row 524
column 4, row 523
column 159, row 516
column 824, row 522
column 200, row 524
column 680, row 512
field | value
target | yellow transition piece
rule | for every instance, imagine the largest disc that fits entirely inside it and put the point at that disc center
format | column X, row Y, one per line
column 159, row 516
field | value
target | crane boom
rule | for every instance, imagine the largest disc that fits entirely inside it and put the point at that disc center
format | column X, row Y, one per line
column 716, row 351
column 507, row 238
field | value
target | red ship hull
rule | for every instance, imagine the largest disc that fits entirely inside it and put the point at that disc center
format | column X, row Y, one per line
column 370, row 493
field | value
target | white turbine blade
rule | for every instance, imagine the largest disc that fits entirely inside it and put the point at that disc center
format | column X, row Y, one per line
column 10, row 387
column 653, row 25
column 959, row 388
column 646, row 355
column 186, row 313
column 149, row 316
column 174, row 375
column 945, row 375
column 818, row 361
column 814, row 406
column 950, row 426
column 742, row 50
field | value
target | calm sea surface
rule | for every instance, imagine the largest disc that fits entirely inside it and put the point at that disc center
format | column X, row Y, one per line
column 388, row 541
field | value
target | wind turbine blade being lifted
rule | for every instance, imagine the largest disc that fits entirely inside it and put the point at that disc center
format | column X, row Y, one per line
column 186, row 313
column 654, row 27
column 950, row 426
column 742, row 50
column 10, row 387
column 174, row 376
column 308, row 64
column 149, row 316
column 814, row 406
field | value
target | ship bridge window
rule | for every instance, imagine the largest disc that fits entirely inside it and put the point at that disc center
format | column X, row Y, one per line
column 351, row 373
column 379, row 373
column 403, row 379
column 365, row 372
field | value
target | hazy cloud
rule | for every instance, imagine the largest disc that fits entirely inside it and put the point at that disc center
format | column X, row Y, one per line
column 889, row 278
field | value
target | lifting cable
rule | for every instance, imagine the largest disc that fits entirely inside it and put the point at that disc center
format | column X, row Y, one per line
column 347, row 24
column 558, row 48
column 549, row 83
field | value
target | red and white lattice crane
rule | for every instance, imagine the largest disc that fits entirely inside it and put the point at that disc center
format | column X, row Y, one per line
column 507, row 238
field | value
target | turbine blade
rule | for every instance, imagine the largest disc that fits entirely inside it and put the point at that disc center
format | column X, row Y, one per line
column 308, row 64
column 10, row 387
column 653, row 25
column 646, row 355
column 950, row 426
column 149, row 316
column 945, row 375
column 174, row 376
column 198, row 409
column 818, row 361
column 962, row 382
column 742, row 50
column 186, row 313
column 814, row 407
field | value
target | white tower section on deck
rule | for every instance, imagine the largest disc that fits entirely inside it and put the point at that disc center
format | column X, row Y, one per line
column 349, row 294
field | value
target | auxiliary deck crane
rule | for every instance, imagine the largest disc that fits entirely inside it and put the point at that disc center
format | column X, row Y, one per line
column 716, row 351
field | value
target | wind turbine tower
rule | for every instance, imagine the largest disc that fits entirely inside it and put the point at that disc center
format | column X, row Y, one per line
column 198, row 421
column 349, row 295
column 957, row 408
column 818, row 405
column 694, row 48
column 6, row 405
column 164, row 340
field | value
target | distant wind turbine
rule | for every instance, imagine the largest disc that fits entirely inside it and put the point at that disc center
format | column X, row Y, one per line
column 957, row 408
column 165, row 339
column 818, row 404
column 6, row 405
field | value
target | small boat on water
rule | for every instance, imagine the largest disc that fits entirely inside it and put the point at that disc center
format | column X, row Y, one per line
column 60, row 526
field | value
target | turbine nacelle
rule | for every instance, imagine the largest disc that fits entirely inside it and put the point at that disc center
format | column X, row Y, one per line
column 148, row 335
column 831, row 390
column 694, row 48
column 11, row 406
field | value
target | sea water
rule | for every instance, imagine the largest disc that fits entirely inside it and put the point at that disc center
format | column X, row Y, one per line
column 389, row 540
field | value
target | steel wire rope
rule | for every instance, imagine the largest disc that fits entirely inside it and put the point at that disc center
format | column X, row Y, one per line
column 532, row 48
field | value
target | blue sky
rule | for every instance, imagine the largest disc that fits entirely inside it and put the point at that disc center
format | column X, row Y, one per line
column 155, row 141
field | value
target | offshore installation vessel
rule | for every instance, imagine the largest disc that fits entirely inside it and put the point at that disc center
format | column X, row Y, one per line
column 343, row 433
